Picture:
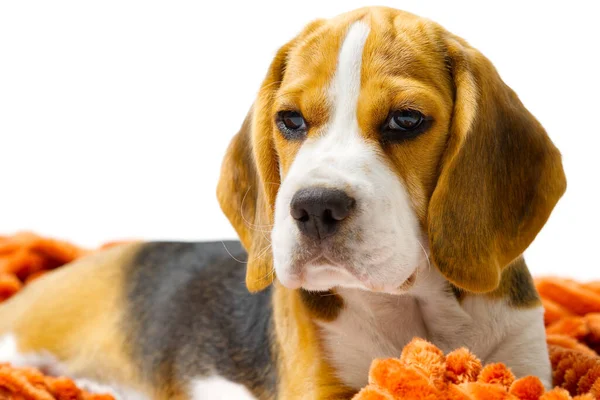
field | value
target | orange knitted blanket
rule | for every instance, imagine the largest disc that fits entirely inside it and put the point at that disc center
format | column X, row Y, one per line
column 422, row 372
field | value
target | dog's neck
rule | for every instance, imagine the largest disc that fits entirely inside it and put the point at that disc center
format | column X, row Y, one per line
column 376, row 325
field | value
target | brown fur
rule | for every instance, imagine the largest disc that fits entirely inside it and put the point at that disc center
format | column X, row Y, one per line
column 243, row 200
column 325, row 306
column 500, row 178
column 303, row 371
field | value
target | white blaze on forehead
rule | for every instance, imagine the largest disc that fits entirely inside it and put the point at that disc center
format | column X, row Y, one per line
column 345, row 87
column 339, row 157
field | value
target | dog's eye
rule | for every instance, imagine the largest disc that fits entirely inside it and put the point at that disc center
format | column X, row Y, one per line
column 291, row 124
column 404, row 124
column 405, row 120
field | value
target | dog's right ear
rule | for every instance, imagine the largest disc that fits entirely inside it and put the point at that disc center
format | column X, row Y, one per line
column 250, row 178
column 241, row 195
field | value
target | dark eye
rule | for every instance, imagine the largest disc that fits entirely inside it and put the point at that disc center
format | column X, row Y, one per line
column 291, row 124
column 404, row 124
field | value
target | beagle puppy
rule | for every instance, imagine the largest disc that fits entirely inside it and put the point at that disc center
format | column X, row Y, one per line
column 389, row 180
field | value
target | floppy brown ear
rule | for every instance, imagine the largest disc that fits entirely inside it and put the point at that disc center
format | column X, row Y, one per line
column 241, row 195
column 250, row 175
column 500, row 178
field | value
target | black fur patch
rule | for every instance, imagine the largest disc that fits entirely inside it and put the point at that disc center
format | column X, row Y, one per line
column 323, row 305
column 517, row 284
column 456, row 291
column 189, row 315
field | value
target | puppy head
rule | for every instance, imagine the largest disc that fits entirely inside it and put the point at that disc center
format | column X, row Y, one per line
column 377, row 138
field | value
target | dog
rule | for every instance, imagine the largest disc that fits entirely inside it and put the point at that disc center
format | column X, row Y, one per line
column 384, row 186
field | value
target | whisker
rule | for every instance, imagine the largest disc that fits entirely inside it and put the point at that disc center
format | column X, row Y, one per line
column 264, row 251
column 231, row 255
column 256, row 227
column 426, row 257
column 268, row 276
column 266, row 237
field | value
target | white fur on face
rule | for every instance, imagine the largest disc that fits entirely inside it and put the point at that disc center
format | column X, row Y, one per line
column 377, row 247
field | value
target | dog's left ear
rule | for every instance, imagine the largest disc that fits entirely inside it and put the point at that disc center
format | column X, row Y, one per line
column 500, row 177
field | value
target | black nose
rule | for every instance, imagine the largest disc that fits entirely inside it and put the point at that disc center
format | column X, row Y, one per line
column 318, row 211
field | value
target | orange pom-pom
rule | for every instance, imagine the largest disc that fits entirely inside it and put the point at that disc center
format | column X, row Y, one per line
column 411, row 384
column 595, row 389
column 373, row 392
column 591, row 378
column 527, row 388
column 382, row 370
column 496, row 373
column 578, row 369
column 587, row 396
column 454, row 392
column 400, row 379
column 486, row 391
column 556, row 394
column 425, row 357
column 462, row 366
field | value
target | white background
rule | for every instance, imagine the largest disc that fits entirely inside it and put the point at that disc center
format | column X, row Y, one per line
column 114, row 115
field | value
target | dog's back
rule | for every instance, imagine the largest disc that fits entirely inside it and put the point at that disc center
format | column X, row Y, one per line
column 160, row 315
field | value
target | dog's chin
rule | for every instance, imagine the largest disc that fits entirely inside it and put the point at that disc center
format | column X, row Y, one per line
column 324, row 277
